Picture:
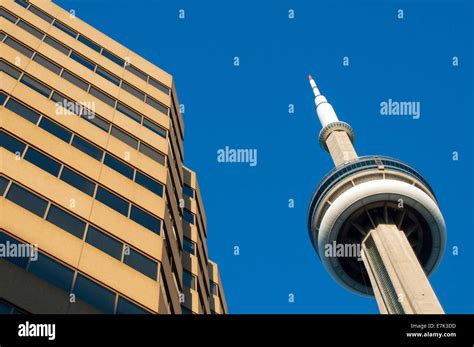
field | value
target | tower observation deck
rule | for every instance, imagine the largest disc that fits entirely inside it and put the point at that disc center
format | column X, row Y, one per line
column 386, row 211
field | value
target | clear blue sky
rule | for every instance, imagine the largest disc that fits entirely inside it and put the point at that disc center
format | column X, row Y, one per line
column 247, row 107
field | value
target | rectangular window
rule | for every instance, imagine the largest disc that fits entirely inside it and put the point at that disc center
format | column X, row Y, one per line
column 155, row 128
column 156, row 105
column 107, row 75
column 145, row 219
column 55, row 44
column 188, row 216
column 3, row 97
column 78, row 181
column 132, row 90
column 36, row 86
column 125, row 306
column 149, row 183
column 11, row 144
column 155, row 83
column 19, row 47
column 22, row 3
column 3, row 185
column 89, row 43
column 136, row 72
column 118, row 166
column 40, row 14
column 124, row 137
column 42, row 161
column 52, row 271
column 32, row 30
column 87, row 148
column 27, row 200
column 65, row 29
column 74, row 80
column 89, row 116
column 150, row 152
column 113, row 201
column 7, row 15
column 188, row 191
column 129, row 113
column 18, row 261
column 104, row 242
column 47, row 64
column 189, row 246
column 56, row 130
column 102, row 96
column 141, row 263
column 10, row 70
column 66, row 221
column 112, row 57
column 213, row 286
column 82, row 61
column 189, row 279
column 94, row 294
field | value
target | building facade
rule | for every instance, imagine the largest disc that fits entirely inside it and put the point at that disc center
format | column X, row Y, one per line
column 98, row 213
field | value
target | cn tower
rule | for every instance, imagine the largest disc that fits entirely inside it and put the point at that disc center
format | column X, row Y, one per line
column 385, row 210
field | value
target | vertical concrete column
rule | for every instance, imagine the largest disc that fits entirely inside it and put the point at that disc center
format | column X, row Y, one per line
column 340, row 147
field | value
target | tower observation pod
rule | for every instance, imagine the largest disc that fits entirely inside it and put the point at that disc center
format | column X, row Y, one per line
column 375, row 223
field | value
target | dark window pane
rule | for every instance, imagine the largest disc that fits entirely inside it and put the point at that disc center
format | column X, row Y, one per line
column 7, row 15
column 52, row 271
column 136, row 72
column 27, row 199
column 22, row 110
column 112, row 57
column 5, row 308
column 124, row 137
column 55, row 129
column 87, row 148
column 155, row 128
column 188, row 279
column 158, row 85
column 22, row 3
column 94, row 294
column 3, row 185
column 104, row 242
column 188, row 246
column 12, row 144
column 118, row 166
column 18, row 261
column 3, row 97
column 10, row 70
column 89, row 43
column 145, row 219
column 19, row 47
column 185, row 310
column 150, row 152
column 156, row 105
column 47, row 64
column 32, row 30
column 35, row 85
column 132, row 90
column 82, row 61
column 102, row 96
column 129, row 113
column 188, row 191
column 74, row 80
column 40, row 14
column 112, row 200
column 98, row 122
column 66, row 221
column 127, row 307
column 141, row 263
column 55, row 44
column 78, row 181
column 65, row 29
column 107, row 75
column 149, row 184
column 42, row 161
column 188, row 216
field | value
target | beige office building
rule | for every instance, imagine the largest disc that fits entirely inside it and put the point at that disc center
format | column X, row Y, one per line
column 98, row 213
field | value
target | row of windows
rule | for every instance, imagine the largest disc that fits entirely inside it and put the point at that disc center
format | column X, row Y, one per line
column 137, row 117
column 73, row 282
column 83, row 184
column 86, row 147
column 78, row 227
column 71, row 32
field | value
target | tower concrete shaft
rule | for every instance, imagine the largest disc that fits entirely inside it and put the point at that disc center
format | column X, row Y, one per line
column 399, row 283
